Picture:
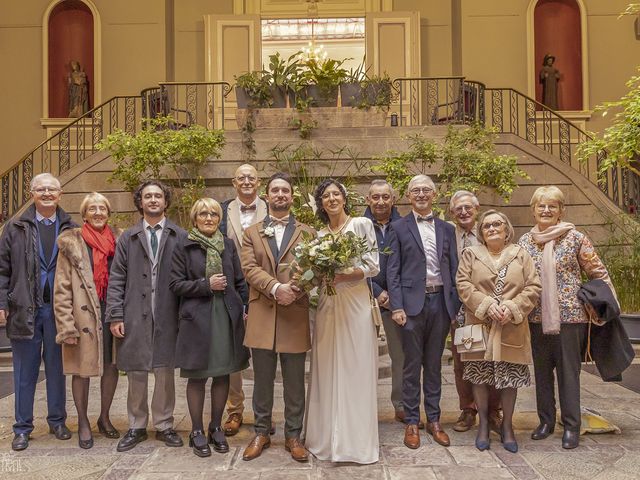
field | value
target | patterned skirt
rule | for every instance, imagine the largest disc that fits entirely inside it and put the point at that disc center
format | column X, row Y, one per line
column 497, row 374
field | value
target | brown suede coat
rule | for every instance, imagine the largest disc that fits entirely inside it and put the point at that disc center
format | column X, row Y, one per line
column 269, row 325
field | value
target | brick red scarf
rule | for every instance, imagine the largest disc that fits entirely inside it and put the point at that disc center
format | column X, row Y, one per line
column 103, row 246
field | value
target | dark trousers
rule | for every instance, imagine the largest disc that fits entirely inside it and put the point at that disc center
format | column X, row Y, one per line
column 423, row 339
column 562, row 353
column 27, row 355
column 264, row 370
column 463, row 387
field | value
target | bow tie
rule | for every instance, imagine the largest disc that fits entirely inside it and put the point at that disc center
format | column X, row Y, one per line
column 248, row 208
column 280, row 221
column 428, row 218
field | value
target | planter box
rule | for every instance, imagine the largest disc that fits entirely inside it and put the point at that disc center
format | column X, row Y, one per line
column 631, row 323
column 325, row 117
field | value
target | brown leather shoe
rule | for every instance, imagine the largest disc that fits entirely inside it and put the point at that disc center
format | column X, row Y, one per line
column 495, row 421
column 438, row 434
column 399, row 417
column 411, row 436
column 298, row 452
column 255, row 447
column 466, row 420
column 232, row 425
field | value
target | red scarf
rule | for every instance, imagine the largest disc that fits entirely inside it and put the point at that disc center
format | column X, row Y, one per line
column 103, row 246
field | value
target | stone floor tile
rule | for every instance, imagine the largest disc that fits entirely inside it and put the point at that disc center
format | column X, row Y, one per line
column 575, row 464
column 507, row 458
column 411, row 473
column 285, row 475
column 524, row 472
column 472, row 457
column 426, row 455
column 361, row 472
column 158, row 476
column 460, row 472
column 118, row 474
column 167, row 459
column 612, row 474
column 129, row 461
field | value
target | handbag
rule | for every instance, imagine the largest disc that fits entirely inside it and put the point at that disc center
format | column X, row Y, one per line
column 376, row 315
column 473, row 338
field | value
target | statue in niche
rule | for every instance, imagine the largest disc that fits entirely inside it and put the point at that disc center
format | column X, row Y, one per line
column 78, row 91
column 549, row 77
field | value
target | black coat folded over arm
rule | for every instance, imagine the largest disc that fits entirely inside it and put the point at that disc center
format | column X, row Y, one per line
column 608, row 343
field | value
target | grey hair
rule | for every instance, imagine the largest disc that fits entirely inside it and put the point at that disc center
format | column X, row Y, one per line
column 463, row 193
column 42, row 176
column 510, row 232
column 421, row 178
column 379, row 182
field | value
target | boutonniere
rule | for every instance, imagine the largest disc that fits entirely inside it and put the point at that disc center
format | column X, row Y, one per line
column 269, row 231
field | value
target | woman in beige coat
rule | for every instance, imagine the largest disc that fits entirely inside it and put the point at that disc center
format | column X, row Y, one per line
column 499, row 286
column 80, row 288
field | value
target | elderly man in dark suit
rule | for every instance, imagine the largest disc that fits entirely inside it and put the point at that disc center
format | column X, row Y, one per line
column 143, row 314
column 28, row 258
column 421, row 275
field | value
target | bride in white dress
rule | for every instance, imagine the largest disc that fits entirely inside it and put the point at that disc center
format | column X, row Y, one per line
column 342, row 416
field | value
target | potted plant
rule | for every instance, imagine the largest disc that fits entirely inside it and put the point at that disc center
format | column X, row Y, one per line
column 322, row 78
column 284, row 78
column 351, row 89
column 253, row 90
column 621, row 255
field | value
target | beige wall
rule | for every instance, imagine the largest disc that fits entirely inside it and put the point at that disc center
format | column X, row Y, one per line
column 483, row 40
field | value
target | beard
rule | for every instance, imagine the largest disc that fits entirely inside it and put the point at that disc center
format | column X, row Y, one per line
column 280, row 207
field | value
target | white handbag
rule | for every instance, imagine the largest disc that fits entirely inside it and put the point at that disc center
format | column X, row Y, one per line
column 471, row 339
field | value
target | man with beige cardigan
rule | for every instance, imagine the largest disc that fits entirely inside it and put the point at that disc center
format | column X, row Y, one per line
column 278, row 320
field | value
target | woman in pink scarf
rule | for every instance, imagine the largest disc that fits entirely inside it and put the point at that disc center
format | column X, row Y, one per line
column 558, row 323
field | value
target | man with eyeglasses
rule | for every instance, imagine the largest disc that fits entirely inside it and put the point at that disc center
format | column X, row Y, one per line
column 237, row 215
column 421, row 273
column 464, row 208
column 28, row 258
column 142, row 313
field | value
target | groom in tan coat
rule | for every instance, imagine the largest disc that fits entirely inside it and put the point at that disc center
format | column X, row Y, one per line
column 278, row 322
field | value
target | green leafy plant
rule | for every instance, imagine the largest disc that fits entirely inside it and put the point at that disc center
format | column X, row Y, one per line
column 304, row 126
column 162, row 152
column 621, row 255
column 469, row 161
column 257, row 86
column 326, row 74
column 620, row 140
column 281, row 71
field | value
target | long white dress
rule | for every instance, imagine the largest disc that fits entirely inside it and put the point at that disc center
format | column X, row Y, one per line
column 342, row 415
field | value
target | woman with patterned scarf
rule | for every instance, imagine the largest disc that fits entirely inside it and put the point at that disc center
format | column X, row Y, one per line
column 559, row 322
column 80, row 290
column 207, row 276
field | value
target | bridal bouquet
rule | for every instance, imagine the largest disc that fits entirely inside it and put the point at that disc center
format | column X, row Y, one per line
column 320, row 259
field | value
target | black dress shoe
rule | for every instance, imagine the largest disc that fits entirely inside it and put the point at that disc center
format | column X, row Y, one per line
column 222, row 446
column 112, row 433
column 133, row 437
column 542, row 431
column 86, row 444
column 198, row 442
column 20, row 441
column 60, row 431
column 170, row 438
column 570, row 439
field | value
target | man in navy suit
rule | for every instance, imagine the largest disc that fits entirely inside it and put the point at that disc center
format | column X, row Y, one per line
column 421, row 274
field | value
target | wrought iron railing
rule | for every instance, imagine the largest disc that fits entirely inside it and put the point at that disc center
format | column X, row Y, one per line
column 70, row 146
column 454, row 100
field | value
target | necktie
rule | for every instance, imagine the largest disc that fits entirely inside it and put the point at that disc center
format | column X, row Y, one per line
column 466, row 240
column 248, row 208
column 154, row 239
column 428, row 218
column 280, row 221
column 46, row 222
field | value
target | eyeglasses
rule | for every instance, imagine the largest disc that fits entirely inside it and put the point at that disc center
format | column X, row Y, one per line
column 43, row 190
column 463, row 208
column 418, row 190
column 497, row 224
column 205, row 215
column 246, row 178
column 543, row 207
